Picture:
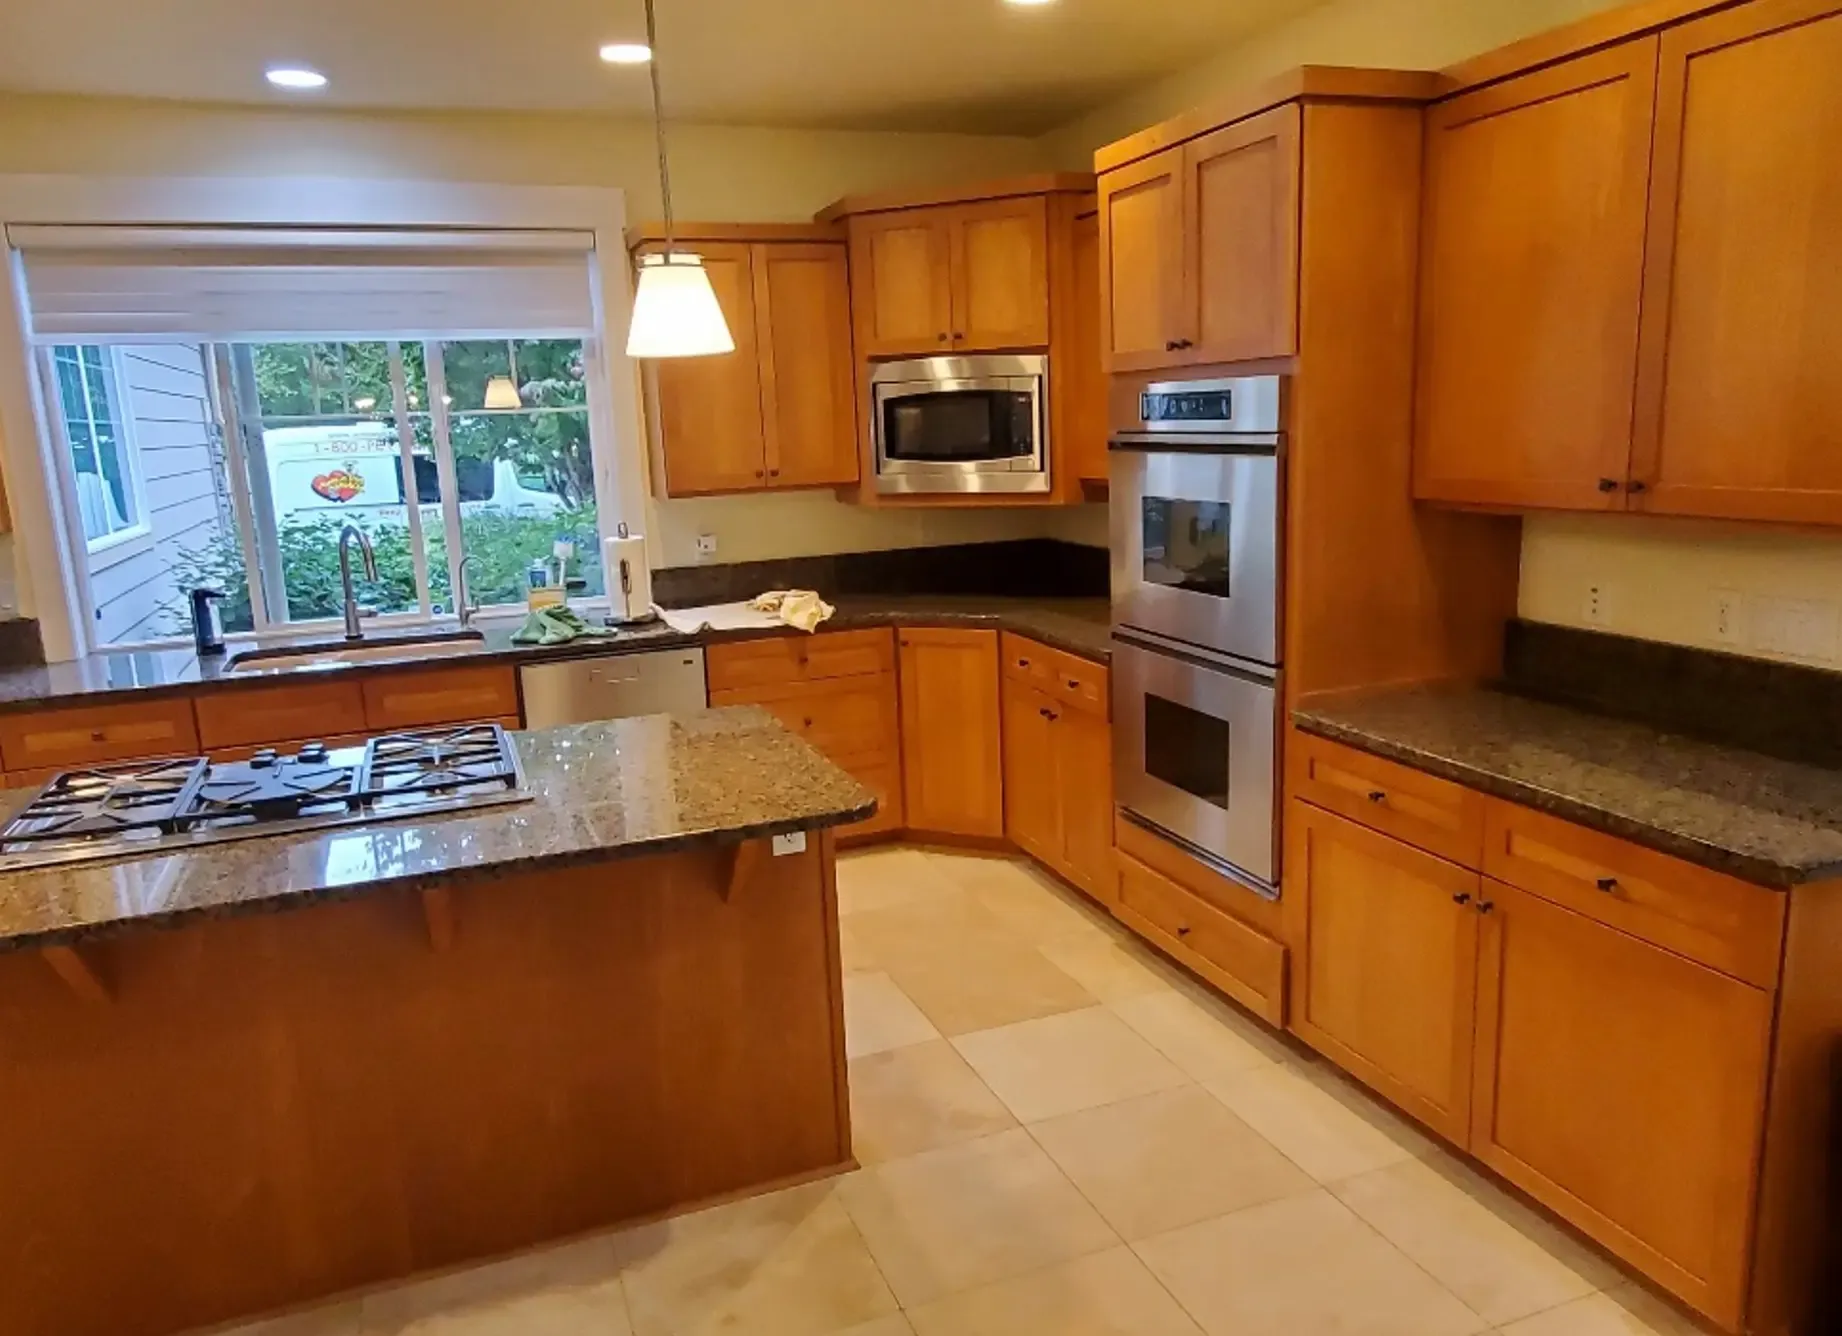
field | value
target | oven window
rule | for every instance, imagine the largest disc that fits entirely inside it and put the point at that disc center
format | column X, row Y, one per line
column 1186, row 545
column 1187, row 749
column 959, row 427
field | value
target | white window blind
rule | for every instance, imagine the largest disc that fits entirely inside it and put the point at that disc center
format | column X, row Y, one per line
column 152, row 284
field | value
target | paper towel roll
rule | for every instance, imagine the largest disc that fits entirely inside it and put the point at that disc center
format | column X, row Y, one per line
column 629, row 578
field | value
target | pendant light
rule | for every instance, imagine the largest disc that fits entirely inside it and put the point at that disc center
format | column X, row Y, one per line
column 675, row 312
column 502, row 393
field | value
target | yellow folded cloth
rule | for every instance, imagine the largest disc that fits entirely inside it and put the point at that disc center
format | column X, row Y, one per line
column 801, row 609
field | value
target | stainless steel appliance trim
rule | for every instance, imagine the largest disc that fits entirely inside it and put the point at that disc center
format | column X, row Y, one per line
column 1245, row 624
column 1256, row 404
column 1217, row 442
column 613, row 686
column 1244, row 834
column 921, row 377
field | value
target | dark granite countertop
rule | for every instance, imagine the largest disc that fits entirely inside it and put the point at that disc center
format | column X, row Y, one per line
column 620, row 789
column 1773, row 822
column 1079, row 626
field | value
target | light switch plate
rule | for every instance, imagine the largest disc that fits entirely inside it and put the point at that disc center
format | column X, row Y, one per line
column 790, row 844
column 706, row 546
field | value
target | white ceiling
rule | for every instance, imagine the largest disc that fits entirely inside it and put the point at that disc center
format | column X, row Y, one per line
column 973, row 65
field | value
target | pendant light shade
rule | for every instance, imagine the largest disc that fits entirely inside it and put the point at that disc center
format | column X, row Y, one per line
column 675, row 313
column 501, row 393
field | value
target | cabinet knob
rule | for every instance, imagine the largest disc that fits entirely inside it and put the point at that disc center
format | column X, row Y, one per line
column 1462, row 898
column 1637, row 485
column 760, row 473
column 1608, row 484
column 773, row 473
column 1185, row 343
column 809, row 723
column 97, row 735
column 1183, row 931
column 1073, row 683
column 1378, row 795
column 943, row 338
column 1485, row 906
column 1607, row 884
column 1170, row 345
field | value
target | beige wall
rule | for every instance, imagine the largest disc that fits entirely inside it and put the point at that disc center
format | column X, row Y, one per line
column 1659, row 579
column 719, row 173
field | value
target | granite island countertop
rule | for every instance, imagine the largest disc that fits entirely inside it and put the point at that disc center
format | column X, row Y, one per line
column 1772, row 822
column 621, row 789
column 1080, row 626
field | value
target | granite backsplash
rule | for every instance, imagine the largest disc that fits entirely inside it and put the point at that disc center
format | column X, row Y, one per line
column 1782, row 710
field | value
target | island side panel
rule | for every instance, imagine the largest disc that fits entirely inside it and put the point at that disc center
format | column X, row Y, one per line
column 271, row 1109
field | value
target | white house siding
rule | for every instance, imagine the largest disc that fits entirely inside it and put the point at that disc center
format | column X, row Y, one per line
column 168, row 407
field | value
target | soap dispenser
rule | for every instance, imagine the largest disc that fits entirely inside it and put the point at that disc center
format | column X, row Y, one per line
column 207, row 623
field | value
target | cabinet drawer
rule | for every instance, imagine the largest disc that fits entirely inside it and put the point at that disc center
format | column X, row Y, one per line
column 777, row 660
column 849, row 717
column 279, row 714
column 97, row 735
column 1243, row 962
column 1074, row 681
column 1725, row 924
column 1414, row 807
column 244, row 750
column 447, row 696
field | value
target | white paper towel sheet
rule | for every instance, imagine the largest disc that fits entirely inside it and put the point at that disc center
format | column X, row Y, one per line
column 719, row 617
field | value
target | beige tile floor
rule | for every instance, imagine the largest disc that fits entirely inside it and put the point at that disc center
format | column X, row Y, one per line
column 1061, row 1135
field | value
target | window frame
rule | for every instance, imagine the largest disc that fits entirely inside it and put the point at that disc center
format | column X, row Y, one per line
column 115, row 547
column 53, row 590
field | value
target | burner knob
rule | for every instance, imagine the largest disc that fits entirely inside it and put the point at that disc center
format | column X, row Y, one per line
column 263, row 759
column 313, row 753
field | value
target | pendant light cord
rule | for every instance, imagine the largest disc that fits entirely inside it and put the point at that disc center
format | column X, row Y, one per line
column 658, row 123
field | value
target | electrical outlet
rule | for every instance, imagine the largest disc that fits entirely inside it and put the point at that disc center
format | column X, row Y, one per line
column 1598, row 608
column 706, row 546
column 1797, row 628
column 1729, row 616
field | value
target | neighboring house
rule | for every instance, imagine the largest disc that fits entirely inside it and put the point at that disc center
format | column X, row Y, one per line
column 166, row 494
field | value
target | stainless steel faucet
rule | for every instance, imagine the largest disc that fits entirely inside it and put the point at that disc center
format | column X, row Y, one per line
column 464, row 602
column 352, row 629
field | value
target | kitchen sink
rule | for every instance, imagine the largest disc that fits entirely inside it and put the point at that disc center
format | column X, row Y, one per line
column 341, row 653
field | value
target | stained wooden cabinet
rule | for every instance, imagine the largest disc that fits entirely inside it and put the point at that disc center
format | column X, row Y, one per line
column 47, row 741
column 780, row 411
column 1532, row 260
column 1622, row 1085
column 952, row 278
column 1058, row 779
column 952, row 757
column 1081, row 435
column 1740, row 384
column 1201, row 249
column 1385, row 974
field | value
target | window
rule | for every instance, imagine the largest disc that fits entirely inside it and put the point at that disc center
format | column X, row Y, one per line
column 109, row 502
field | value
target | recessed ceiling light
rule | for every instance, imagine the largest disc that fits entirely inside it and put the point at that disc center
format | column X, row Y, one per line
column 1029, row 4
column 626, row 53
column 296, row 77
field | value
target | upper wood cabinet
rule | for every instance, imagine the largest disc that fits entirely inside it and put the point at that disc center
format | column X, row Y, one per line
column 1533, row 248
column 1201, row 249
column 952, row 278
column 952, row 759
column 1082, row 436
column 780, row 411
column 1740, row 382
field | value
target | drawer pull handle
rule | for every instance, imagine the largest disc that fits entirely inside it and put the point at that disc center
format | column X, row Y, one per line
column 1462, row 898
column 1184, row 931
column 1607, row 884
column 1023, row 663
column 809, row 723
column 1485, row 906
column 1378, row 795
column 1074, row 684
column 98, row 735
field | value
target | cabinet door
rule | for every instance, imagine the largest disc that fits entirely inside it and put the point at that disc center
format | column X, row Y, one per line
column 808, row 382
column 1031, row 818
column 952, row 757
column 1141, row 271
column 1240, row 241
column 1082, row 445
column 1084, row 781
column 1387, row 974
column 1623, row 1087
column 1740, row 398
column 902, row 283
column 1530, row 279
column 709, row 408
column 1000, row 261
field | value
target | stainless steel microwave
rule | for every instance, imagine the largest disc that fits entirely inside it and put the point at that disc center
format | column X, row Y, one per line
column 961, row 424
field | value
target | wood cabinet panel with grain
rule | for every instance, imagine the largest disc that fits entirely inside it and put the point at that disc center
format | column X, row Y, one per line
column 952, row 757
column 440, row 696
column 260, row 716
column 72, row 736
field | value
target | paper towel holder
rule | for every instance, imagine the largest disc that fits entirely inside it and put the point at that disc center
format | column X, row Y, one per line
column 621, row 611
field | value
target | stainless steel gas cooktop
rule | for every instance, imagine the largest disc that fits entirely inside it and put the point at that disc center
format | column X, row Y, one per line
column 147, row 807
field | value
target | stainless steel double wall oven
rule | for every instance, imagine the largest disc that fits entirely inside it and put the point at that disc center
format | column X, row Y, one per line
column 1196, row 654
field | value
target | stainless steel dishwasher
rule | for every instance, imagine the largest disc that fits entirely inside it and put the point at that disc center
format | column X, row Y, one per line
column 613, row 686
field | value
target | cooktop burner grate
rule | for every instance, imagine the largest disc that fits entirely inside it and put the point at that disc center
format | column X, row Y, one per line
column 113, row 802
column 474, row 757
column 282, row 789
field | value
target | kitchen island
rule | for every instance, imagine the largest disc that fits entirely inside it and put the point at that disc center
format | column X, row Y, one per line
column 247, row 1076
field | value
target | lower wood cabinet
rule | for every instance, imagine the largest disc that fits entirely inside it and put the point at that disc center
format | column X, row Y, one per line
column 1058, row 786
column 1623, row 1086
column 63, row 739
column 952, row 755
column 1385, row 963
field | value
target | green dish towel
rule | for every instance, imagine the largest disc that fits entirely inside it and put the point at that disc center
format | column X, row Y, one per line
column 556, row 625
